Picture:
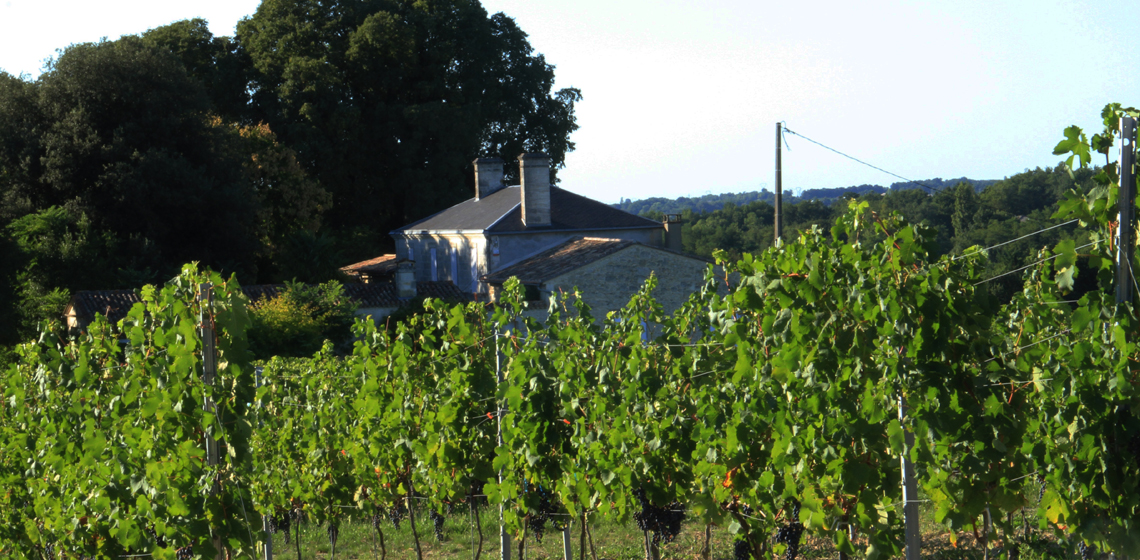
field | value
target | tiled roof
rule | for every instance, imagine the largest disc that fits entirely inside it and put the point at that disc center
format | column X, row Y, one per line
column 384, row 265
column 383, row 294
column 501, row 212
column 560, row 259
column 115, row 304
column 112, row 304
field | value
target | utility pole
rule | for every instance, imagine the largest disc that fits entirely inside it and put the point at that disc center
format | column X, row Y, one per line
column 779, row 183
column 1125, row 235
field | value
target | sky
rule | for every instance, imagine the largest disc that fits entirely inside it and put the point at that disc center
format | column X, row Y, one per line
column 681, row 98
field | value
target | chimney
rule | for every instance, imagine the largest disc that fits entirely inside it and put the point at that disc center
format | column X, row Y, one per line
column 535, row 172
column 488, row 176
column 406, row 279
column 673, row 226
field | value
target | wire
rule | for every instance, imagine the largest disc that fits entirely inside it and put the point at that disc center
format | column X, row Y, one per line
column 1014, row 240
column 923, row 185
column 1027, row 266
column 1130, row 273
column 1019, row 349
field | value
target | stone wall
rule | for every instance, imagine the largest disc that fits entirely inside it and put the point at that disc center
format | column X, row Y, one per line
column 608, row 283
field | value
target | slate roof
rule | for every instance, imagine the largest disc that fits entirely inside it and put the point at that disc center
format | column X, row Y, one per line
column 501, row 212
column 115, row 304
column 559, row 260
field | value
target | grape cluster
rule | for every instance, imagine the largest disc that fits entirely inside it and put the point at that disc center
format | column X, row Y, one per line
column 546, row 510
column 663, row 522
column 333, row 531
column 184, row 553
column 1088, row 552
column 396, row 513
column 741, row 550
column 790, row 533
column 280, row 524
column 437, row 524
column 161, row 542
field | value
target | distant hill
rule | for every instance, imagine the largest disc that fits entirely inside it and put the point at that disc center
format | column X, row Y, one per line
column 712, row 202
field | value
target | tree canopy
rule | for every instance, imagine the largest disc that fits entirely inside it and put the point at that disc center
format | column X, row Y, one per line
column 388, row 101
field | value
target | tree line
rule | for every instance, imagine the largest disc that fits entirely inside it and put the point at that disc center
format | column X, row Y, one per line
column 961, row 215
column 280, row 153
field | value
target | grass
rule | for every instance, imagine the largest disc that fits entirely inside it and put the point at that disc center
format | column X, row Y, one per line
column 612, row 541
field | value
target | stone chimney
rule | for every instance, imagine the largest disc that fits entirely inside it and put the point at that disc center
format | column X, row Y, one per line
column 488, row 176
column 406, row 279
column 673, row 226
column 535, row 172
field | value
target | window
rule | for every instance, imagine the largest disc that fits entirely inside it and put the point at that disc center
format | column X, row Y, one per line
column 475, row 269
column 454, row 267
column 434, row 265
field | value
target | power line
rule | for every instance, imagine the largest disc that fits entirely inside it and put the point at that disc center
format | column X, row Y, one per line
column 1014, row 240
column 1028, row 265
column 853, row 158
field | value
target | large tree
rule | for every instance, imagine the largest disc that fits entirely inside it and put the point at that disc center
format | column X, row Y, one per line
column 388, row 101
column 129, row 141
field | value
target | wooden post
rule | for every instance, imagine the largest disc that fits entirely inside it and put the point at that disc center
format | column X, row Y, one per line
column 779, row 183
column 913, row 538
column 209, row 373
column 504, row 537
column 1125, row 236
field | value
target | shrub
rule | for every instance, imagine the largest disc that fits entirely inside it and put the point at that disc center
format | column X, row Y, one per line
column 298, row 321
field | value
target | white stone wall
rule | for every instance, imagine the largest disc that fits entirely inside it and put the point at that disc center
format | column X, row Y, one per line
column 608, row 283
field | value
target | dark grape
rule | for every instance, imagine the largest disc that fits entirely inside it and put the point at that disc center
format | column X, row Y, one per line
column 281, row 524
column 741, row 550
column 1088, row 552
column 184, row 553
column 663, row 522
column 790, row 533
column 545, row 511
column 437, row 524
column 396, row 513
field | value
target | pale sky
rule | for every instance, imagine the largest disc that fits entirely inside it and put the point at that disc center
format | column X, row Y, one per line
column 681, row 98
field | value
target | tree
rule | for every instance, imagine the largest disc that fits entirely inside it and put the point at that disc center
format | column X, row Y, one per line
column 119, row 132
column 217, row 63
column 388, row 101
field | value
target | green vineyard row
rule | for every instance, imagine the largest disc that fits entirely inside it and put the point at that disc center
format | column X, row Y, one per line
column 774, row 390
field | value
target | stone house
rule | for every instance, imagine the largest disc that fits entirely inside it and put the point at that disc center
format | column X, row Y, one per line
column 607, row 271
column 505, row 225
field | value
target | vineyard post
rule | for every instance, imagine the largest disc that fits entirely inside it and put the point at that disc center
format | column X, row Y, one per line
column 209, row 372
column 268, row 537
column 1124, row 243
column 266, row 526
column 504, row 537
column 567, row 554
column 910, row 489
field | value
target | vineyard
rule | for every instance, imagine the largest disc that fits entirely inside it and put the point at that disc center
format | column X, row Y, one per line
column 769, row 404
